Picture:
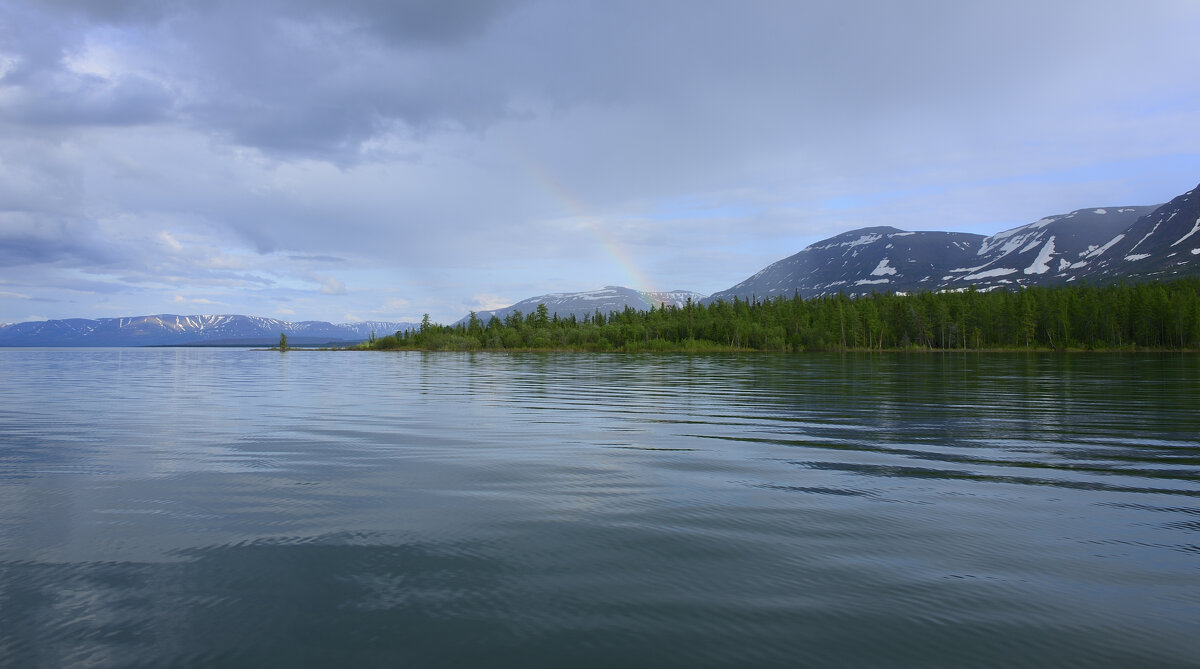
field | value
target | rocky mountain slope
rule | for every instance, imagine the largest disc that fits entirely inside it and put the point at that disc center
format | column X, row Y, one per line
column 858, row 262
column 1163, row 244
column 1101, row 244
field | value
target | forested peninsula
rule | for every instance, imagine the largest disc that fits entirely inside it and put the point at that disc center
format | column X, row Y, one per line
column 1155, row 315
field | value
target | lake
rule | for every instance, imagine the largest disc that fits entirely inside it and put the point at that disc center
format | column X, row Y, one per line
column 229, row 507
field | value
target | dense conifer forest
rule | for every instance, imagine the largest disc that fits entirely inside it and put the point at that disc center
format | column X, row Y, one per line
column 1157, row 315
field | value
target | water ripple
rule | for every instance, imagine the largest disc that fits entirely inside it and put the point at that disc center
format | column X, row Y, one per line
column 225, row 507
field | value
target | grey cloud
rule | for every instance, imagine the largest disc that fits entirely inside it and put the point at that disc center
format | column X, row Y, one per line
column 28, row 239
column 323, row 79
column 323, row 91
column 91, row 100
column 318, row 258
column 134, row 251
column 41, row 88
column 39, row 178
column 118, row 11
column 416, row 21
column 294, row 79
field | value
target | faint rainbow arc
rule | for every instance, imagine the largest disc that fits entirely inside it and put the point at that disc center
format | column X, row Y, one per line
column 609, row 244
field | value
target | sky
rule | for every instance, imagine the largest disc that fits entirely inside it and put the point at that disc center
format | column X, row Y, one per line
column 384, row 159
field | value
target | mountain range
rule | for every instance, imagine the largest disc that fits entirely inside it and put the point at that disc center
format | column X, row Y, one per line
column 1099, row 245
column 173, row 330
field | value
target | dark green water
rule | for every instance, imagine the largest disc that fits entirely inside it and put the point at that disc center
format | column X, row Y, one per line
column 183, row 507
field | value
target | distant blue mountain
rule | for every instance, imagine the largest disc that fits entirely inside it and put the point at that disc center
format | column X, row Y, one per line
column 587, row 303
column 173, row 330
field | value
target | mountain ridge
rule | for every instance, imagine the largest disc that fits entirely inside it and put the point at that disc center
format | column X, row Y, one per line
column 194, row 329
column 1092, row 244
column 585, row 303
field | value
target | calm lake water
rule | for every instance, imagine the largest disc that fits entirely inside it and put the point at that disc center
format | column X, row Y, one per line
column 210, row 507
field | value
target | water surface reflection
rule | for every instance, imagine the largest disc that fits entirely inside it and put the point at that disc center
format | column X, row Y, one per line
column 221, row 507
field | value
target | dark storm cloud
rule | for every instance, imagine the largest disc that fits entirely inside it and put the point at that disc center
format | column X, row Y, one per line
column 320, row 79
column 306, row 78
column 323, row 80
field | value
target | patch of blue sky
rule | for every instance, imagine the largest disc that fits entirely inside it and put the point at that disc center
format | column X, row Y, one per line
column 1148, row 107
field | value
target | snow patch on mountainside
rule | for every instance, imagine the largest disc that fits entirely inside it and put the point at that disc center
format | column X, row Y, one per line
column 1026, row 236
column 862, row 240
column 882, row 269
column 1041, row 263
column 865, row 239
column 1190, row 232
column 1152, row 231
column 1100, row 251
column 1002, row 271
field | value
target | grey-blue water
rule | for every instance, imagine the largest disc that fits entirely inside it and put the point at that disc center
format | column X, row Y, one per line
column 209, row 507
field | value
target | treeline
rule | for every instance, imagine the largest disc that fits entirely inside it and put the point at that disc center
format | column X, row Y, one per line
column 1158, row 315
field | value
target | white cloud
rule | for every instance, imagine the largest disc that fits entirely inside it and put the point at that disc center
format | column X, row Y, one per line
column 487, row 302
column 330, row 285
column 392, row 305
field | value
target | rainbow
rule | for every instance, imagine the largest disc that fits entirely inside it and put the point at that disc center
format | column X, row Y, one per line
column 611, row 246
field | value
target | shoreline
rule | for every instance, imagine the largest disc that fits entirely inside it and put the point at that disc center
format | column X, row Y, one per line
column 923, row 351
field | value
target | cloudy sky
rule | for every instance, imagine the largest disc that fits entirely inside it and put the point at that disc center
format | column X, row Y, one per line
column 380, row 159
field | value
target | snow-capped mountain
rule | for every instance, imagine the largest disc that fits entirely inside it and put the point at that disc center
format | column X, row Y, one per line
column 1097, row 244
column 605, row 300
column 880, row 259
column 1052, row 250
column 170, row 329
column 1163, row 244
